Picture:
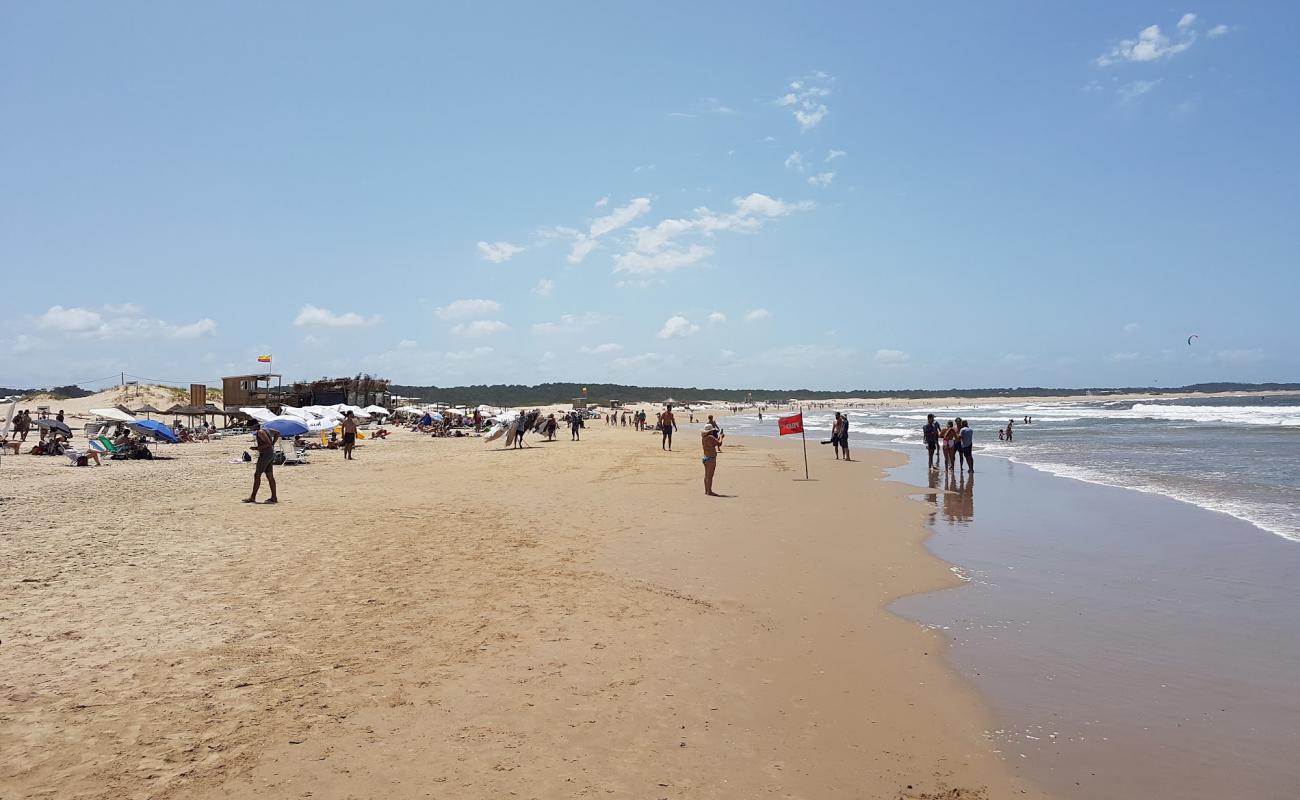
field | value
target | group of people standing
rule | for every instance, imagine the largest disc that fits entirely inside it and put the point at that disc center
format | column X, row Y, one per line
column 955, row 441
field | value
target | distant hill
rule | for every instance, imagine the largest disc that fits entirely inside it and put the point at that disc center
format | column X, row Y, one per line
column 548, row 393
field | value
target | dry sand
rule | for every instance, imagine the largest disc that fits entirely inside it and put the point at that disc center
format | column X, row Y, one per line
column 444, row 618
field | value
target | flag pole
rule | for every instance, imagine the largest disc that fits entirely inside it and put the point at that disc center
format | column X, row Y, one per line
column 803, row 436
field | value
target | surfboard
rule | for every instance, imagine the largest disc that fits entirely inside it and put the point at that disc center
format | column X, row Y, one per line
column 496, row 433
column 510, row 432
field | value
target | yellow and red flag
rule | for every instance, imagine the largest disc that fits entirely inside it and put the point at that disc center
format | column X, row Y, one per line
column 264, row 359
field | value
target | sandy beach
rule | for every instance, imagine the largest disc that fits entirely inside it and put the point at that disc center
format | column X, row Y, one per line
column 443, row 618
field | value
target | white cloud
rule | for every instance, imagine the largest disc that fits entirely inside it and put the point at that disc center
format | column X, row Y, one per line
column 323, row 317
column 662, row 261
column 834, row 154
column 1151, row 45
column 601, row 349
column 822, row 179
column 121, row 308
column 195, row 330
column 805, row 100
column 1217, row 31
column 677, row 328
column 1130, row 92
column 892, row 358
column 479, row 327
column 569, row 323
column 717, row 317
column 1124, row 357
column 544, row 287
column 69, row 320
column 602, row 202
column 407, row 344
column 1132, row 327
column 619, row 217
column 498, row 252
column 463, row 309
column 582, row 247
column 757, row 315
column 750, row 213
column 794, row 161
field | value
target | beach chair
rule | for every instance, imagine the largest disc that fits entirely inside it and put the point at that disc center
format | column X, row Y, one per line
column 290, row 454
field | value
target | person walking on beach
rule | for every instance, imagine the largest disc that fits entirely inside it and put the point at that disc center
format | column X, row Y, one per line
column 575, row 424
column 349, row 425
column 711, row 439
column 520, row 425
column 265, row 461
column 667, row 424
column 930, row 432
column 23, row 424
column 1010, row 422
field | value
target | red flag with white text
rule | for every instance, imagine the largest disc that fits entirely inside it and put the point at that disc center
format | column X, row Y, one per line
column 790, row 424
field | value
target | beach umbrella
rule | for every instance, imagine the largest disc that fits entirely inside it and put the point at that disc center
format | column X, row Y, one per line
column 154, row 428
column 379, row 411
column 259, row 414
column 54, row 424
column 288, row 427
column 146, row 409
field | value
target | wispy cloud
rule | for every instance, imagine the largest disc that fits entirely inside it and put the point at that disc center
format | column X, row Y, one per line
column 822, row 179
column 462, row 309
column 601, row 349
column 113, row 321
column 834, row 154
column 568, row 323
column 1217, row 31
column 794, row 161
column 805, row 98
column 479, row 327
column 749, row 214
column 585, row 243
column 1124, row 357
column 1132, row 91
column 1132, row 327
column 668, row 260
column 311, row 315
column 1151, row 44
column 498, row 252
column 544, row 287
column 717, row 317
column 757, row 315
column 892, row 358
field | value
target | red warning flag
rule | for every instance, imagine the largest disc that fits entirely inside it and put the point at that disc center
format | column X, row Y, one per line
column 790, row 424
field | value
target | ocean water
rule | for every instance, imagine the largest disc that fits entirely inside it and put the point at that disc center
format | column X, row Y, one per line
column 1234, row 455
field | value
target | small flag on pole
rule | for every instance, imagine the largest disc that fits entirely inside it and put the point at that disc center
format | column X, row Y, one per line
column 264, row 359
column 794, row 424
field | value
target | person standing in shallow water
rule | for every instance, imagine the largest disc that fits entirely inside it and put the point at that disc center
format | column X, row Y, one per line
column 711, row 439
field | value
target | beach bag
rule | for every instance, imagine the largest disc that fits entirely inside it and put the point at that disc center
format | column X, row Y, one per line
column 82, row 461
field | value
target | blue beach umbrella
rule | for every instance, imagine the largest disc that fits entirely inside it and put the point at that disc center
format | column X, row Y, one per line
column 154, row 428
column 287, row 427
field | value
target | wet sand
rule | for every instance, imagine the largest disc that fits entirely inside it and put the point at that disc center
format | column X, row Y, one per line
column 1131, row 645
column 447, row 619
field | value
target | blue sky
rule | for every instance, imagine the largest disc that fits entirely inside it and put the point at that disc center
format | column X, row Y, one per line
column 815, row 195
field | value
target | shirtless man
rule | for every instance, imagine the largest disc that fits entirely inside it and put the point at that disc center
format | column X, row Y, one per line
column 349, row 436
column 265, row 461
column 667, row 424
column 711, row 439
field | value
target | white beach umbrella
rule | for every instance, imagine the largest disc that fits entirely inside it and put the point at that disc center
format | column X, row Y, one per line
column 259, row 414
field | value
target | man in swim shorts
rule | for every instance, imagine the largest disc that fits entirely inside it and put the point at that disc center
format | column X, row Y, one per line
column 667, row 424
column 265, row 461
column 349, row 435
column 711, row 439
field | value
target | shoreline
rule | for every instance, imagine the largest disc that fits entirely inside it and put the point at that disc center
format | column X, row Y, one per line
column 599, row 626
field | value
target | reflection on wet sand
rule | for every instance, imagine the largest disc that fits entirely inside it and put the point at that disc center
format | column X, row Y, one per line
column 958, row 505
